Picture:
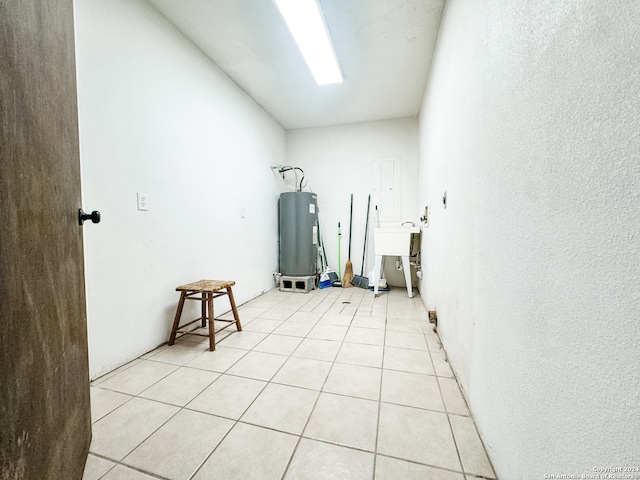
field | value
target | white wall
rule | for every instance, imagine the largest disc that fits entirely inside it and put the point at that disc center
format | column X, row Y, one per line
column 338, row 161
column 156, row 116
column 530, row 123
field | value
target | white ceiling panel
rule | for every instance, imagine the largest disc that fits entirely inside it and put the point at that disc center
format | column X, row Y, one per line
column 384, row 48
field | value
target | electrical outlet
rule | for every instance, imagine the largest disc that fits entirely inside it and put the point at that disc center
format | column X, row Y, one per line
column 143, row 201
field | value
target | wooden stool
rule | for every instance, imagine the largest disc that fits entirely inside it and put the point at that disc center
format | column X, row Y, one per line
column 205, row 291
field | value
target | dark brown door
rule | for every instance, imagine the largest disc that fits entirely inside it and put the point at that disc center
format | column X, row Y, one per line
column 45, row 423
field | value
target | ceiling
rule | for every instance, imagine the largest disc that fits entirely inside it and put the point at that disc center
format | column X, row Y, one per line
column 384, row 48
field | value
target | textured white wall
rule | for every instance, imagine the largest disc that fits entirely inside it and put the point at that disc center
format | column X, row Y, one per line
column 156, row 116
column 530, row 123
column 338, row 161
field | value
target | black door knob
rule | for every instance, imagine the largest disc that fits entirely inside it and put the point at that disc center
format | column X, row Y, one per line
column 93, row 216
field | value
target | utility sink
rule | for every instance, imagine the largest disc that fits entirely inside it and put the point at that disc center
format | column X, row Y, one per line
column 393, row 240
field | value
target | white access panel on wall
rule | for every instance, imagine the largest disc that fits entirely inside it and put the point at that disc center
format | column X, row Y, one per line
column 387, row 188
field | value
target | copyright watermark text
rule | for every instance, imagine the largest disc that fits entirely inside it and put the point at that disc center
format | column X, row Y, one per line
column 599, row 473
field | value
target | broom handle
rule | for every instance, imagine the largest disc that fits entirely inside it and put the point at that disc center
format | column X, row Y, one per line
column 366, row 230
column 339, row 240
column 350, row 225
column 321, row 244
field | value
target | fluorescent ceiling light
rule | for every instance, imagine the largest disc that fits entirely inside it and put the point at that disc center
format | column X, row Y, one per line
column 307, row 26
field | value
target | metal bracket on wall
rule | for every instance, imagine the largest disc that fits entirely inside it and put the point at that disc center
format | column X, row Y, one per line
column 425, row 218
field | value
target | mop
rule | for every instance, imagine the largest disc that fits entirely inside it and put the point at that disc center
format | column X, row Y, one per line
column 336, row 282
column 360, row 280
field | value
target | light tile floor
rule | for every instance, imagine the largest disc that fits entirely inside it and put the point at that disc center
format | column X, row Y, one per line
column 332, row 384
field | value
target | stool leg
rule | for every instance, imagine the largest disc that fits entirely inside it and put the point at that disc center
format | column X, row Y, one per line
column 235, row 310
column 176, row 321
column 203, row 310
column 212, row 330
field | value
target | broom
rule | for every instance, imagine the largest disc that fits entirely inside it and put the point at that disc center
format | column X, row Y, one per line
column 360, row 280
column 348, row 268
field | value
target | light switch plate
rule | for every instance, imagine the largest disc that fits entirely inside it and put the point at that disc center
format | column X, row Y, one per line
column 143, row 201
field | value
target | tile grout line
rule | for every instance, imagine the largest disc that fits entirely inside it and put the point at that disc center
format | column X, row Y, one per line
column 289, row 356
column 464, row 472
column 120, row 463
column 384, row 343
column 444, row 404
column 154, row 431
column 295, row 448
column 301, row 436
column 267, row 383
column 236, row 421
column 180, row 408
